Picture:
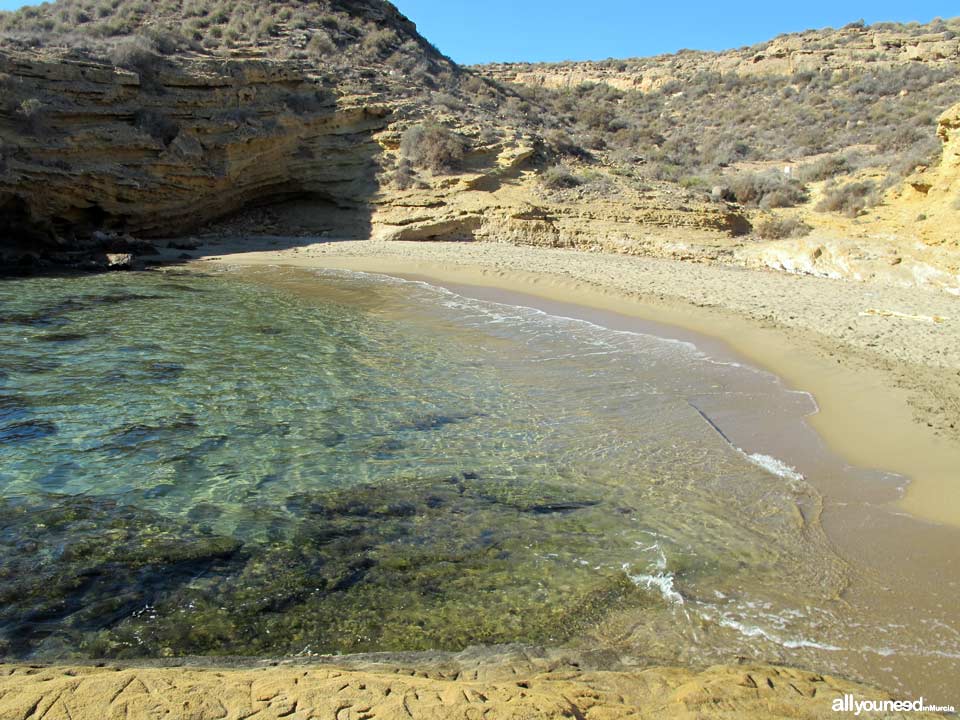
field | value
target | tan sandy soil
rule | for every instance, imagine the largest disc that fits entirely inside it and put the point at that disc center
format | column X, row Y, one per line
column 882, row 362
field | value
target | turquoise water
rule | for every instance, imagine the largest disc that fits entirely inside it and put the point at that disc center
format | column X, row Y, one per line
column 272, row 462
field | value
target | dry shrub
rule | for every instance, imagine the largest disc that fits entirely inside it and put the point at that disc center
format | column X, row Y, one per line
column 432, row 147
column 770, row 189
column 559, row 177
column 157, row 126
column 850, row 199
column 137, row 52
column 824, row 169
column 778, row 228
column 320, row 45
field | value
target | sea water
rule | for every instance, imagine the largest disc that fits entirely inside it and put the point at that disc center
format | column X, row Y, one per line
column 274, row 462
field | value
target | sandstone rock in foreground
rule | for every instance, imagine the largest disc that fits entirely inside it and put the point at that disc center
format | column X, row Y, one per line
column 383, row 691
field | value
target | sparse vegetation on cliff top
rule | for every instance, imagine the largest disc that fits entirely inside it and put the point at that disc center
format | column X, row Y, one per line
column 358, row 32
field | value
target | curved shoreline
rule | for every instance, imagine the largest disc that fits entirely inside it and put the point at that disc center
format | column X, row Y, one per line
column 877, row 408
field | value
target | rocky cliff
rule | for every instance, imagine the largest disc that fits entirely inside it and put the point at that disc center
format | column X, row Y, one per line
column 933, row 194
column 89, row 146
column 169, row 144
column 291, row 119
column 857, row 46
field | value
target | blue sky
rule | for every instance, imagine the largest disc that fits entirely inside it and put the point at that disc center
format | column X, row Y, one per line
column 550, row 30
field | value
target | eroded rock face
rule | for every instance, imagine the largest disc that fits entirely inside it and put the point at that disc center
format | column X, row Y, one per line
column 947, row 130
column 87, row 146
column 811, row 51
column 929, row 200
column 92, row 151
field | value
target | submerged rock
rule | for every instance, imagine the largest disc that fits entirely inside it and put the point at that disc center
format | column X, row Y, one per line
column 63, row 337
column 27, row 430
column 75, row 565
column 164, row 371
column 13, row 407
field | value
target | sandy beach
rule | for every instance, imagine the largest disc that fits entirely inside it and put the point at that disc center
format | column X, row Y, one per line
column 882, row 362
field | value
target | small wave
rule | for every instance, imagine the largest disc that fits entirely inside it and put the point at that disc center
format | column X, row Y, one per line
column 660, row 580
column 498, row 313
column 752, row 631
column 773, row 465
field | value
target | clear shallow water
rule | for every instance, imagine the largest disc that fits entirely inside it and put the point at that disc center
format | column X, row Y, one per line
column 273, row 462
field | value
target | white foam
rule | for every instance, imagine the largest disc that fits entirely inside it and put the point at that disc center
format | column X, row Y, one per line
column 773, row 465
column 752, row 631
column 489, row 308
column 660, row 580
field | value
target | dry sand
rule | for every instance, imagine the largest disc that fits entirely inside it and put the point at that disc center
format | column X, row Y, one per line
column 882, row 362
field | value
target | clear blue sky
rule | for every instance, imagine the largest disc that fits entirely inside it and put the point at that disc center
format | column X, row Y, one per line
column 547, row 30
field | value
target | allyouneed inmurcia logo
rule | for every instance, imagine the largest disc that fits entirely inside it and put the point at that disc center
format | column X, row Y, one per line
column 848, row 703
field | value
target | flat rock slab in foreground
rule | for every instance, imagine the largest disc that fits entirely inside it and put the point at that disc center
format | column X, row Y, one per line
column 385, row 692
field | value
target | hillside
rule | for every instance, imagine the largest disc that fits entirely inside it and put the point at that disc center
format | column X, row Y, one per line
column 130, row 120
column 871, row 91
column 155, row 118
column 347, row 32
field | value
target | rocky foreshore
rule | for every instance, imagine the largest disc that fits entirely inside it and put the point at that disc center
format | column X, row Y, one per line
column 511, row 684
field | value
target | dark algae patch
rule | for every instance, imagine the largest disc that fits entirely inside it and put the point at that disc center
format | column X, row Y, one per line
column 425, row 564
column 26, row 431
column 71, row 567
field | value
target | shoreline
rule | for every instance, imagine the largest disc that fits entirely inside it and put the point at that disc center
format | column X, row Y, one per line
column 868, row 406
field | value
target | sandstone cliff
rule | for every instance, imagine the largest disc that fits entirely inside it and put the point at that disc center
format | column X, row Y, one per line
column 100, row 150
column 855, row 46
column 268, row 134
column 168, row 144
column 933, row 194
